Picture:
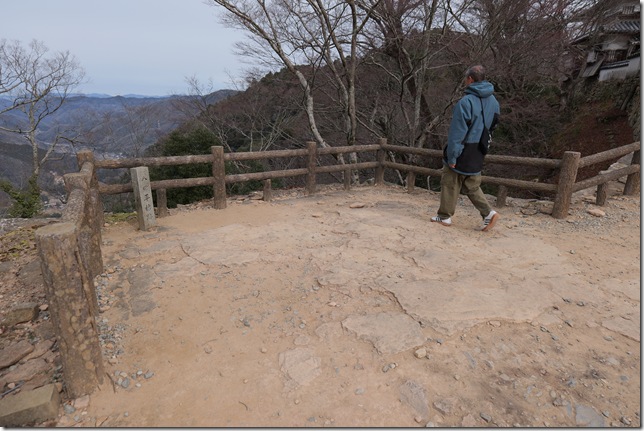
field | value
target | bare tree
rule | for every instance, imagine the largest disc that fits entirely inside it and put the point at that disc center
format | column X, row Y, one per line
column 37, row 84
column 306, row 36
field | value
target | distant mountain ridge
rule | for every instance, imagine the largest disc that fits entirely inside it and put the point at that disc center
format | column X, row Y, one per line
column 113, row 126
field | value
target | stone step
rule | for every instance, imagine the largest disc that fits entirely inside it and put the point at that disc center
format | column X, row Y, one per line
column 30, row 407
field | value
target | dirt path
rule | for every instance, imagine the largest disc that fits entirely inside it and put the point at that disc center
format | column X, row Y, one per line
column 350, row 309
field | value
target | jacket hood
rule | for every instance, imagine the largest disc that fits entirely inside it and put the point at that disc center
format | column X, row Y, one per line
column 480, row 89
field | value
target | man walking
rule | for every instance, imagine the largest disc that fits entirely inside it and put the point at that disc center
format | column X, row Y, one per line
column 463, row 156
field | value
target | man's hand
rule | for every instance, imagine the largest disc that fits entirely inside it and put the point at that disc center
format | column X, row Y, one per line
column 452, row 166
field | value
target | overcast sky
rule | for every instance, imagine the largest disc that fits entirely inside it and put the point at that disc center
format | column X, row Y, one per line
column 143, row 47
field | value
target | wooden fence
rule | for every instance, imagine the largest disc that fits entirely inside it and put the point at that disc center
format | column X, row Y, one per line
column 70, row 250
column 568, row 167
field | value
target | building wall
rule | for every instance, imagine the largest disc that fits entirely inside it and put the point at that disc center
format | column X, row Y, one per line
column 631, row 69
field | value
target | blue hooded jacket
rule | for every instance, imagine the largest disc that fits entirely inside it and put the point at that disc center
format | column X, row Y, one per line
column 467, row 127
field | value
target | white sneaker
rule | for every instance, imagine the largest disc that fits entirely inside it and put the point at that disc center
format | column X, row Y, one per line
column 444, row 221
column 490, row 220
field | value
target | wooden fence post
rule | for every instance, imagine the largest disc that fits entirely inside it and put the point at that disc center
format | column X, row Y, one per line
column 69, row 289
column 381, row 154
column 411, row 181
column 632, row 186
column 602, row 194
column 501, row 196
column 268, row 191
column 219, row 176
column 567, row 177
column 311, row 165
column 347, row 179
column 162, row 203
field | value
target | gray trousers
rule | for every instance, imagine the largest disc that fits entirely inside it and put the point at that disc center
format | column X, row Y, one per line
column 451, row 185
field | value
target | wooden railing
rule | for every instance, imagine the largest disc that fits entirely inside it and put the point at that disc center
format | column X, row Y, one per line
column 568, row 167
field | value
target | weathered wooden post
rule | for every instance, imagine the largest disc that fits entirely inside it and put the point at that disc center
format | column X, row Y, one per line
column 602, row 194
column 312, row 161
column 69, row 289
column 632, row 186
column 268, row 191
column 501, row 196
column 411, row 181
column 162, row 203
column 567, row 177
column 381, row 154
column 347, row 179
column 219, row 177
column 143, row 197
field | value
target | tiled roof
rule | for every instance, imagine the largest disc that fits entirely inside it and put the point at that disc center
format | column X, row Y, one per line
column 622, row 27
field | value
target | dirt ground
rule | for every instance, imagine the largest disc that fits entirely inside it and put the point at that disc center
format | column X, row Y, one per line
column 351, row 309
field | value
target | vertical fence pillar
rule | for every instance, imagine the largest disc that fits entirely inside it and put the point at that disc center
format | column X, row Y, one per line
column 381, row 154
column 411, row 181
column 632, row 186
column 268, row 191
column 567, row 177
column 219, row 177
column 311, row 165
column 69, row 289
column 602, row 194
column 501, row 196
column 162, row 203
column 347, row 179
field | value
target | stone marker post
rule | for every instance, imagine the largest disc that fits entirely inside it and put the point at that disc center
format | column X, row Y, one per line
column 143, row 197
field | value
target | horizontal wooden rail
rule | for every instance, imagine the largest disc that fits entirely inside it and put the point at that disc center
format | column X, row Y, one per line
column 415, row 169
column 348, row 149
column 153, row 161
column 490, row 158
column 259, row 176
column 342, row 168
column 508, row 182
column 259, row 155
column 608, row 155
column 606, row 177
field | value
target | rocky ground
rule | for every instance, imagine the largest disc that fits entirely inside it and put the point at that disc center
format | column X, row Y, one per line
column 349, row 309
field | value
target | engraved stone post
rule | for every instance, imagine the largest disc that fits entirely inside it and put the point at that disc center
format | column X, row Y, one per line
column 143, row 197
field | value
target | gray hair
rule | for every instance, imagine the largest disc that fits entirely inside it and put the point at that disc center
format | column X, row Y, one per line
column 477, row 73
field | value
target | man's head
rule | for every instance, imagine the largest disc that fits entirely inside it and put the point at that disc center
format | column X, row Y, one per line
column 474, row 74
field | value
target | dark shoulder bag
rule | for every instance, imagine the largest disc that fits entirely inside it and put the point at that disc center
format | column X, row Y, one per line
column 486, row 136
